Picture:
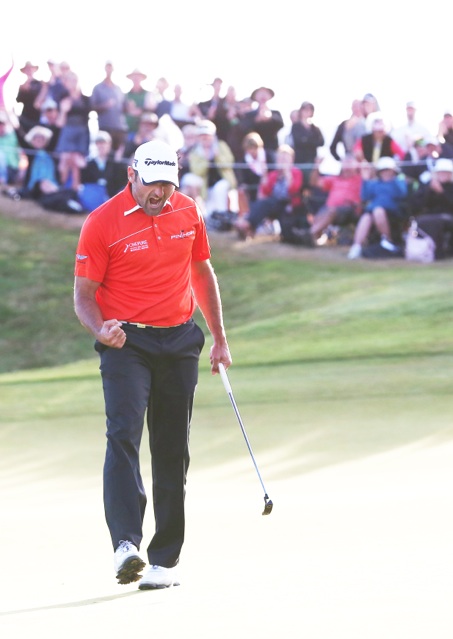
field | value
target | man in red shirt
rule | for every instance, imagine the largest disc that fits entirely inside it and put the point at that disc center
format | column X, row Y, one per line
column 142, row 267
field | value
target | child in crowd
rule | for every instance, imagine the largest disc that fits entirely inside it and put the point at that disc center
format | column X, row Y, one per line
column 383, row 198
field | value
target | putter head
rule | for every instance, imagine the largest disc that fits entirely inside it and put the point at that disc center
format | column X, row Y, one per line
column 267, row 505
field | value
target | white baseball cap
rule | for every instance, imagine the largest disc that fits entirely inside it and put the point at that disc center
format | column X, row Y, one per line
column 156, row 161
column 444, row 164
column 206, row 127
column 387, row 163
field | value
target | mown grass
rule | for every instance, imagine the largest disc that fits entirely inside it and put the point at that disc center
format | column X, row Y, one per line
column 332, row 360
column 276, row 310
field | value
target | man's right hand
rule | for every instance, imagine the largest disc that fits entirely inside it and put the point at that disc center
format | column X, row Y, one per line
column 111, row 334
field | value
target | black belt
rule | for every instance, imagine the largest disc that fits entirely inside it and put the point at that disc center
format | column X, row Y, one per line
column 140, row 325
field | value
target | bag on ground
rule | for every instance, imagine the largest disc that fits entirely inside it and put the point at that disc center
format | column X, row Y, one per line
column 420, row 247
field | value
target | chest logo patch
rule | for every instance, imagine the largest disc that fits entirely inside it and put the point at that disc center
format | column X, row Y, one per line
column 136, row 246
column 182, row 235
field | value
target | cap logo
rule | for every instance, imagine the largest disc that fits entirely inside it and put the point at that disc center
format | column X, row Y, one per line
column 151, row 162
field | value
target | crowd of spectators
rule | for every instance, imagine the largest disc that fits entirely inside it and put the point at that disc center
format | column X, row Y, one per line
column 248, row 172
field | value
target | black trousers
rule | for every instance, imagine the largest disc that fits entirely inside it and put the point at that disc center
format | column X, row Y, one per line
column 154, row 374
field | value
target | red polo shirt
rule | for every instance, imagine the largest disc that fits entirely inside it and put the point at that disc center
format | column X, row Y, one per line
column 143, row 263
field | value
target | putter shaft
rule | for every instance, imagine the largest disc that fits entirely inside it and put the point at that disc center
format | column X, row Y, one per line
column 226, row 382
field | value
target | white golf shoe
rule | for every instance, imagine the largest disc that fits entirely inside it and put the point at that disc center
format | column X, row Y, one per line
column 158, row 577
column 127, row 563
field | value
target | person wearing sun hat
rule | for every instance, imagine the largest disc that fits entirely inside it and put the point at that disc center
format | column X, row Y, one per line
column 26, row 95
column 136, row 99
column 142, row 267
column 265, row 121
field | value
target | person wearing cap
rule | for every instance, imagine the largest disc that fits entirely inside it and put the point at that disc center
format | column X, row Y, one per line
column 377, row 141
column 419, row 161
column 27, row 95
column 213, row 160
column 102, row 177
column 433, row 207
column 384, row 199
column 142, row 267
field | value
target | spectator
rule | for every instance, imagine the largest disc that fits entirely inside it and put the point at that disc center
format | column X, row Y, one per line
column 419, row 161
column 383, row 200
column 65, row 70
column 158, row 100
column 226, row 114
column 212, row 159
column 349, row 132
column 27, row 95
column 434, row 207
column 53, row 88
column 265, row 121
column 407, row 134
column 285, row 135
column 146, row 132
column 369, row 104
column 74, row 140
column 135, row 100
column 41, row 162
column 307, row 138
column 190, row 138
column 236, row 133
column 207, row 108
column 180, row 112
column 192, row 185
column 10, row 152
column 52, row 119
column 108, row 100
column 377, row 142
column 102, row 177
column 251, row 170
column 343, row 203
column 279, row 198
column 445, row 134
column 41, row 181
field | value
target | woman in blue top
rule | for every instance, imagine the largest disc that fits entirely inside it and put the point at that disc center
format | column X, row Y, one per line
column 383, row 197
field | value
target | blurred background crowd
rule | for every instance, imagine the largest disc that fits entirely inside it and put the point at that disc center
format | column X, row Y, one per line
column 250, row 168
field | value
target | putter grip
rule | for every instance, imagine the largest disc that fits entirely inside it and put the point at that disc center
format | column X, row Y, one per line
column 224, row 376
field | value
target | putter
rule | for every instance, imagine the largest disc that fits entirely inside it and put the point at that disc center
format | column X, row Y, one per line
column 223, row 374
